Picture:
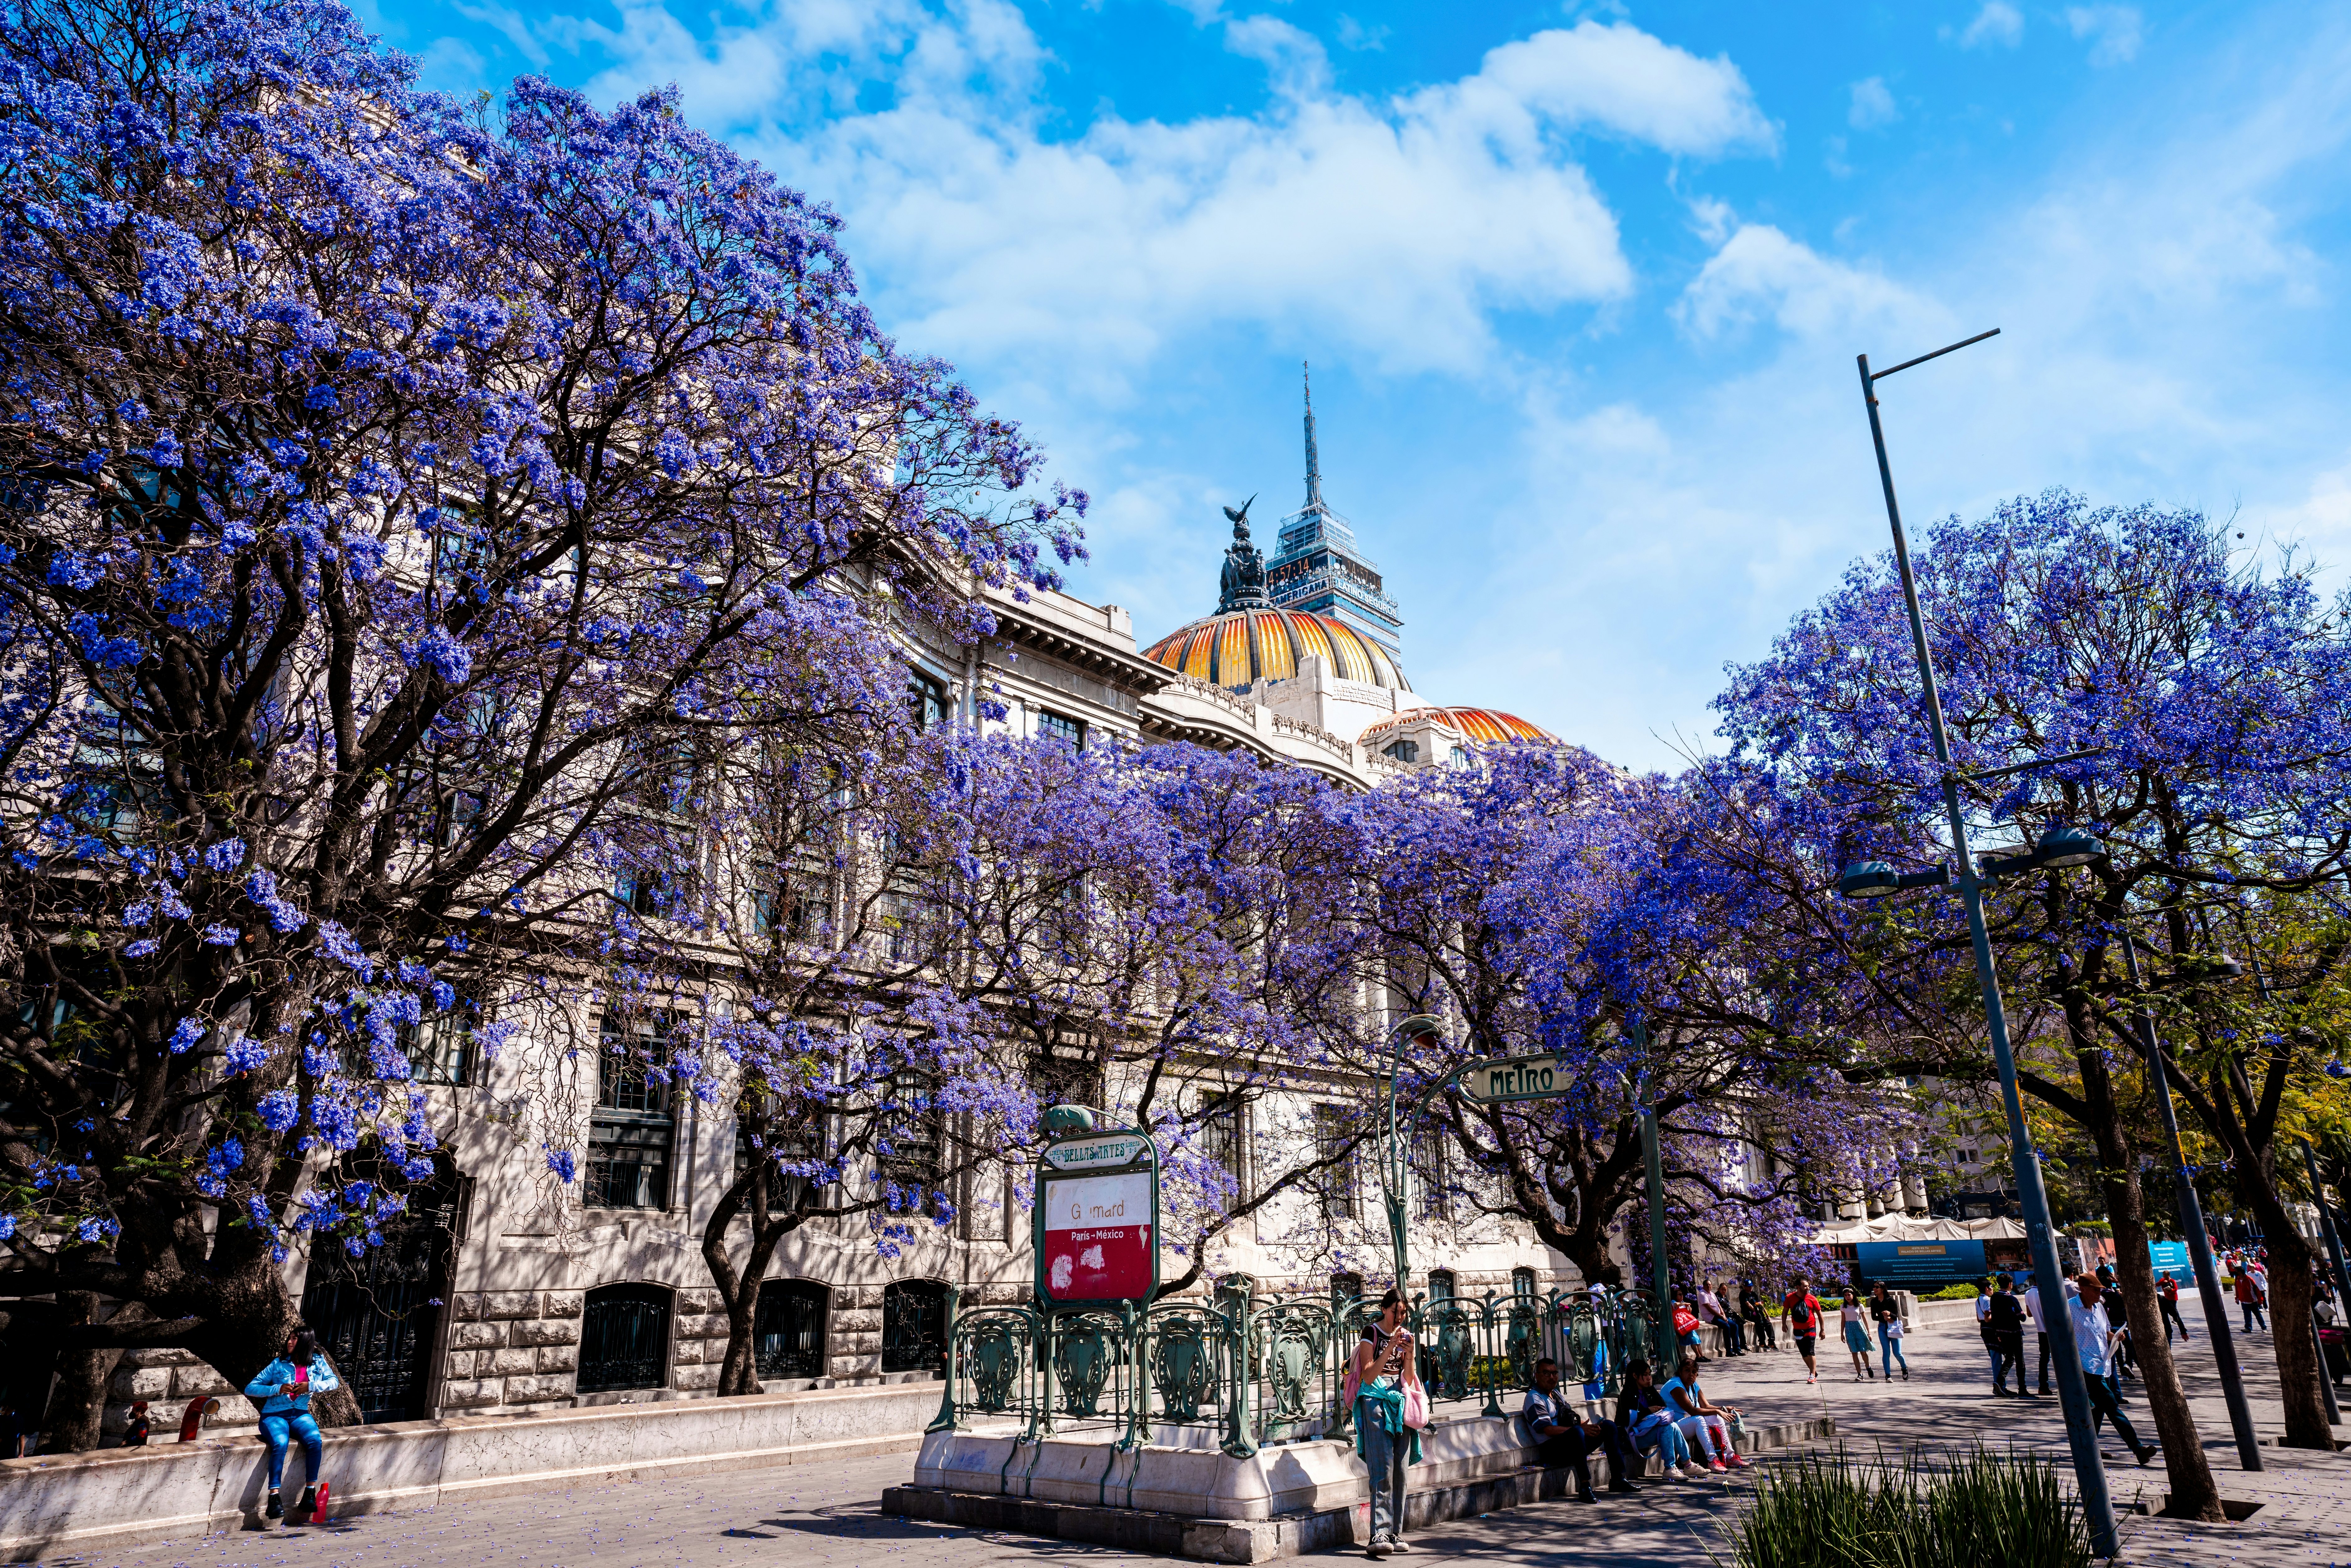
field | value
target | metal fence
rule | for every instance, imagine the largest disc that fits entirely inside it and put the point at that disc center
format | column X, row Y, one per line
column 1238, row 1372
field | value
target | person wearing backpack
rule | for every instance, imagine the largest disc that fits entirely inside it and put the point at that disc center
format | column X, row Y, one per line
column 1801, row 1310
column 284, row 1389
column 1391, row 1407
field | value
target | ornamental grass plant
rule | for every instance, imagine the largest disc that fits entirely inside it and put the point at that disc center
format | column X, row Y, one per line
column 1975, row 1509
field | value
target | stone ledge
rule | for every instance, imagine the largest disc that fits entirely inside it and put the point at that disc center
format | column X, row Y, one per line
column 1283, row 1535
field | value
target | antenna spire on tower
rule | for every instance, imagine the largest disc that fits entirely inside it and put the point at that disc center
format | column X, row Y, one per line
column 1314, row 459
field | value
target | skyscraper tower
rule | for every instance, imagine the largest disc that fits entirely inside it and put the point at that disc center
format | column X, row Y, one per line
column 1318, row 566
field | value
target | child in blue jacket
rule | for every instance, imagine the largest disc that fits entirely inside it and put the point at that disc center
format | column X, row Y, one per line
column 284, row 1389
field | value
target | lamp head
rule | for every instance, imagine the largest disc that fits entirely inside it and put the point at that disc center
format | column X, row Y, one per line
column 1868, row 879
column 2063, row 846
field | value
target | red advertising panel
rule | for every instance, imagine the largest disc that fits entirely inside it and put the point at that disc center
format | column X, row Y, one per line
column 1098, row 1240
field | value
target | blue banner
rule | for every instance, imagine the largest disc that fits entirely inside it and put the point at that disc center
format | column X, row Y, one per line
column 1919, row 1265
column 2171, row 1256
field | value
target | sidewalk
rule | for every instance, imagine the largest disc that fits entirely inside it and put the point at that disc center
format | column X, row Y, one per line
column 828, row 1515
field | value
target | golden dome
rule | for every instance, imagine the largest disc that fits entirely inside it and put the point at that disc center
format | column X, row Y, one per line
column 1488, row 725
column 1245, row 645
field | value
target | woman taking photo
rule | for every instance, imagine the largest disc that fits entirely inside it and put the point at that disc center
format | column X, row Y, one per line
column 1887, row 1312
column 1391, row 1407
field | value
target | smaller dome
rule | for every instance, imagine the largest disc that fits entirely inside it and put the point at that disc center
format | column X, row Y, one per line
column 1488, row 725
column 1241, row 646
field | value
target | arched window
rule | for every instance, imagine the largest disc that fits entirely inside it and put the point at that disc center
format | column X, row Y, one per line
column 913, row 1326
column 1440, row 1284
column 625, row 1338
column 788, row 1333
column 1522, row 1282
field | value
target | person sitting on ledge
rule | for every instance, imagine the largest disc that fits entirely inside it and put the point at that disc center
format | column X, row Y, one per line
column 1562, row 1438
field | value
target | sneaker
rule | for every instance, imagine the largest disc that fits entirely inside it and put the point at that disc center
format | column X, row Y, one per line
column 1812, row 1377
column 274, row 1508
column 1716, row 1467
column 1740, row 1462
column 1397, row 1543
column 1376, row 1550
column 1675, row 1473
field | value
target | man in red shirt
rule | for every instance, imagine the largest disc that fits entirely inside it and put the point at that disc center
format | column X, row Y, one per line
column 2166, row 1295
column 1801, row 1310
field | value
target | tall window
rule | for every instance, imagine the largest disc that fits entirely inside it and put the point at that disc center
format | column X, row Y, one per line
column 1522, row 1282
column 1334, row 1151
column 794, row 905
column 440, row 1045
column 926, row 699
column 1057, row 727
column 1429, row 1173
column 910, row 1146
column 799, row 1136
column 913, row 1326
column 1223, row 1118
column 632, row 1128
column 1440, row 1285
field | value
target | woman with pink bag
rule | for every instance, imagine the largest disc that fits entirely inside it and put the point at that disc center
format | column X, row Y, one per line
column 1391, row 1407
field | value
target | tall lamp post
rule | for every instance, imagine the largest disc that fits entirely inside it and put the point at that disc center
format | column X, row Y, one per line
column 2089, row 1467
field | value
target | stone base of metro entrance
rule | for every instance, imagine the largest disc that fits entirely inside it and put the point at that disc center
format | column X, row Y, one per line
column 1212, row 1507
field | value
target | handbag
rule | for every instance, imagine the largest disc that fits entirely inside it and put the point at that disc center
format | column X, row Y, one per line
column 1416, row 1405
column 1684, row 1321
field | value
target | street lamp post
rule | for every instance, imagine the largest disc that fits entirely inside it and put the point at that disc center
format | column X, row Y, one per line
column 2089, row 1467
column 1393, row 1168
column 2199, row 1244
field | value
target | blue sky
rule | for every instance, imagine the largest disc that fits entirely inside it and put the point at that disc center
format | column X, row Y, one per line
column 1581, row 285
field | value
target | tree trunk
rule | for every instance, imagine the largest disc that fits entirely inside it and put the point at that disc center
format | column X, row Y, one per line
column 2291, row 1326
column 74, row 1420
column 249, row 1320
column 2194, row 1493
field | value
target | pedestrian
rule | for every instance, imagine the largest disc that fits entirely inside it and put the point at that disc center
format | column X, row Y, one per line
column 1390, row 1406
column 1686, row 1327
column 1563, row 1438
column 1800, row 1311
column 1734, row 1332
column 134, row 1432
column 1983, row 1325
column 2250, row 1299
column 285, row 1387
column 1648, row 1421
column 1757, row 1317
column 2167, row 1296
column 1707, row 1426
column 1887, row 1312
column 1857, row 1337
column 2006, row 1318
column 2094, row 1340
column 2038, row 1315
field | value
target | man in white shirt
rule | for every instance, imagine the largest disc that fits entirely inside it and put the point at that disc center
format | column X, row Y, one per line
column 2040, row 1329
column 2094, row 1338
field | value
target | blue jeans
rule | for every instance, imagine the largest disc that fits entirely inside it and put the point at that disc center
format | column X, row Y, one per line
column 1889, row 1351
column 1664, row 1435
column 1384, row 1453
column 275, row 1429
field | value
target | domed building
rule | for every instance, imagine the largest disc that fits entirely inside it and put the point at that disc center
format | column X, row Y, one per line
column 1313, row 639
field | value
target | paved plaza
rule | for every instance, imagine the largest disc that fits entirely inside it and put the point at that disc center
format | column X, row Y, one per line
column 826, row 1516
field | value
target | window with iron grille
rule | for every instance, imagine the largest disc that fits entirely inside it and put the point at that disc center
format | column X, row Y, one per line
column 1223, row 1123
column 1440, row 1284
column 788, row 1329
column 913, row 1326
column 625, row 1338
column 1071, row 732
column 1334, row 1147
column 632, row 1128
column 1522, row 1282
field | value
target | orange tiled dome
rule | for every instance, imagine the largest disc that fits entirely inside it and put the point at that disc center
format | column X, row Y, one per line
column 1245, row 645
column 1484, row 724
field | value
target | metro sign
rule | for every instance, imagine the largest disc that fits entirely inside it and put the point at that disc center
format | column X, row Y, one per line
column 1501, row 1080
column 1097, row 1220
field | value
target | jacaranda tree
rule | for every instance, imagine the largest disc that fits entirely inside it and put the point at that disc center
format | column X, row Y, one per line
column 393, row 492
column 2214, row 701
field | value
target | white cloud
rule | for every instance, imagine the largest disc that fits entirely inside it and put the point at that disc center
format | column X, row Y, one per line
column 1354, row 35
column 1295, row 59
column 1998, row 25
column 1760, row 274
column 1873, row 105
column 2113, row 31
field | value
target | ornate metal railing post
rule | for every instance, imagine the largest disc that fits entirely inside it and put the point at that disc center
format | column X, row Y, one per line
column 1235, row 1315
column 1138, row 1402
column 1493, row 1362
column 946, row 1417
column 1045, row 1353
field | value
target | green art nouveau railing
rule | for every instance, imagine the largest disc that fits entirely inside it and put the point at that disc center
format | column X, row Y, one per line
column 1238, row 1372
